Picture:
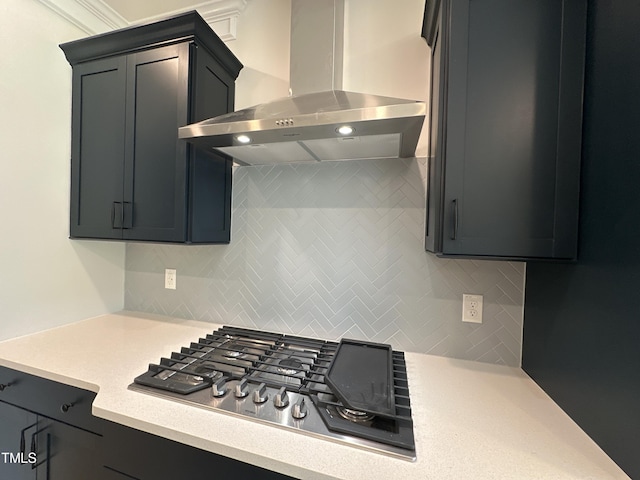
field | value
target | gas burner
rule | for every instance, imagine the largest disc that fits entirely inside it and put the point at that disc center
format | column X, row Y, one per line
column 208, row 371
column 289, row 366
column 189, row 379
column 233, row 350
column 284, row 380
column 354, row 415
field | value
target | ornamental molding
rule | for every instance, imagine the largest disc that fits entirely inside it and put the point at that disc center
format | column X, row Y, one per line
column 95, row 16
column 90, row 16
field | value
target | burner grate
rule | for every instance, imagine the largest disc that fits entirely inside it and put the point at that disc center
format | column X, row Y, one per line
column 299, row 365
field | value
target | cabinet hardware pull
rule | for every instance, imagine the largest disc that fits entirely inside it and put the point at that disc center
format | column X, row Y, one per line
column 34, row 446
column 4, row 385
column 117, row 218
column 454, row 230
column 128, row 216
column 64, row 408
column 22, row 439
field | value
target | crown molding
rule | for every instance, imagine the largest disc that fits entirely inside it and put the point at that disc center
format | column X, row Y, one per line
column 90, row 16
column 223, row 18
column 221, row 15
column 95, row 16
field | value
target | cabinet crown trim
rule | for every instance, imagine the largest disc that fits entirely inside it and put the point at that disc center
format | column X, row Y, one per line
column 183, row 27
column 95, row 16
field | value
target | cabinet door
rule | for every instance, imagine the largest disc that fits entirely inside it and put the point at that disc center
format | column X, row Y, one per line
column 210, row 172
column 158, row 458
column 97, row 152
column 155, row 176
column 17, row 425
column 513, row 127
column 433, row 224
column 72, row 453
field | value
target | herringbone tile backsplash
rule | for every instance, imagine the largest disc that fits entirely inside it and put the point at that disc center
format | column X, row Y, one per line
column 335, row 250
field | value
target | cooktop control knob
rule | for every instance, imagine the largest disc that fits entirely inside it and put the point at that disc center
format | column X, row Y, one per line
column 299, row 410
column 241, row 390
column 260, row 394
column 281, row 399
column 219, row 387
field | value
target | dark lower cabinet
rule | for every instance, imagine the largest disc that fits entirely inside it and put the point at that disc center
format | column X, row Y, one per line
column 506, row 127
column 16, row 460
column 131, row 177
column 47, row 432
column 135, row 454
column 36, row 447
column 71, row 453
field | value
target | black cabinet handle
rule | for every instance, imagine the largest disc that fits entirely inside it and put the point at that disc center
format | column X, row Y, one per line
column 4, row 385
column 117, row 215
column 127, row 215
column 64, row 408
column 34, row 446
column 22, row 439
column 34, row 449
column 454, row 229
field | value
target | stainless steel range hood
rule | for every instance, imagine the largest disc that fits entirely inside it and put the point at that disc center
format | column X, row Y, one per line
column 321, row 122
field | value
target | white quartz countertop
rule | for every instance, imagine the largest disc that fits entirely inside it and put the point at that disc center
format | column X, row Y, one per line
column 471, row 420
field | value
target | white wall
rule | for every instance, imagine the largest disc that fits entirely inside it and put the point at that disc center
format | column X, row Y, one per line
column 384, row 52
column 262, row 45
column 45, row 279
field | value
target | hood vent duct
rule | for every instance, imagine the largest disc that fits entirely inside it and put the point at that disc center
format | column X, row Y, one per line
column 320, row 121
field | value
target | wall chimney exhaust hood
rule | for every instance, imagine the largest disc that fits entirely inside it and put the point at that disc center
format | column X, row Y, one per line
column 320, row 121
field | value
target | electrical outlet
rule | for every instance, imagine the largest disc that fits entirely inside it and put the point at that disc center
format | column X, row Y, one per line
column 471, row 308
column 170, row 278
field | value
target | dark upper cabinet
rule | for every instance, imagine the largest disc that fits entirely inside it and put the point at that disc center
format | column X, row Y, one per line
column 506, row 123
column 131, row 177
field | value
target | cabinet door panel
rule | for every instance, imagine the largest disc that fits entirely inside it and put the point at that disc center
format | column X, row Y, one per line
column 98, row 131
column 158, row 458
column 16, row 423
column 504, row 62
column 433, row 223
column 73, row 454
column 210, row 172
column 214, row 88
column 155, row 160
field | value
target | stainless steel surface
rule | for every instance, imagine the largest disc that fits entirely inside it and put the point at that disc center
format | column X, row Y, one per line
column 316, row 46
column 243, row 408
column 304, row 128
column 279, row 379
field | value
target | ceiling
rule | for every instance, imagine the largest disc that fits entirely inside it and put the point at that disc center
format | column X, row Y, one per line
column 133, row 11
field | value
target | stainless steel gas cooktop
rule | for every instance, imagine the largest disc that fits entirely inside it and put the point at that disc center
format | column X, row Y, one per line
column 351, row 392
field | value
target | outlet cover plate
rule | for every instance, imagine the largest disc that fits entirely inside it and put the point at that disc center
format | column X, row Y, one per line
column 471, row 308
column 170, row 278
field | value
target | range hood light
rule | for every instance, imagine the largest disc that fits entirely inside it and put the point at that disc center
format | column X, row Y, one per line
column 243, row 138
column 345, row 130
